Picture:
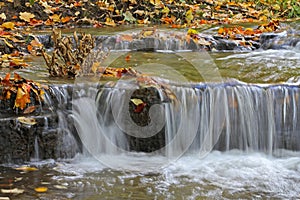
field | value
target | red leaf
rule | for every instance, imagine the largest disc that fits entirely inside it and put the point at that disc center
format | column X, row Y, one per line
column 140, row 108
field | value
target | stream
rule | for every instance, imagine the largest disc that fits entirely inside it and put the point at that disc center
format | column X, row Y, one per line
column 249, row 106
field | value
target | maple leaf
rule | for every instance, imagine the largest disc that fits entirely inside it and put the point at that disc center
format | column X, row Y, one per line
column 26, row 16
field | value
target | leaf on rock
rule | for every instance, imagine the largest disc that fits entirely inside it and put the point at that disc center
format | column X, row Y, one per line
column 22, row 98
column 136, row 101
column 28, row 121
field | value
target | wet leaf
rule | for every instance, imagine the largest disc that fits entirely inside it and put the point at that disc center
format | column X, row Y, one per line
column 29, row 109
column 41, row 189
column 136, row 101
column 26, row 169
column 27, row 121
column 140, row 108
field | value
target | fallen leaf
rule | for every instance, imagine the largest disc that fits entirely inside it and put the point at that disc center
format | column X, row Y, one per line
column 41, row 189
column 140, row 108
column 8, row 25
column 127, row 58
column 136, row 101
column 110, row 22
column 26, row 16
column 30, row 109
column 27, row 120
column 26, row 168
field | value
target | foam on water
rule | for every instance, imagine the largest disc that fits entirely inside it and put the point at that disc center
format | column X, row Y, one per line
column 232, row 174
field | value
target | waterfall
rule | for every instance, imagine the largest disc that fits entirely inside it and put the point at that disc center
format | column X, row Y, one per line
column 200, row 118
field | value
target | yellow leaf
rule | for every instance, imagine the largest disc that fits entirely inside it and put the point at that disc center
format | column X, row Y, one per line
column 192, row 31
column 28, row 121
column 8, row 25
column 166, row 10
column 26, row 16
column 55, row 17
column 41, row 189
column 189, row 16
column 26, row 168
column 110, row 22
column 136, row 101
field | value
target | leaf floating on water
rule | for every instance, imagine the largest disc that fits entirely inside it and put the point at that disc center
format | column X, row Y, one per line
column 27, row 120
column 136, row 101
column 12, row 191
column 26, row 168
column 41, row 189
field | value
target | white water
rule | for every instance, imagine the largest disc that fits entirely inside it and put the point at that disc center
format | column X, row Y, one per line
column 231, row 175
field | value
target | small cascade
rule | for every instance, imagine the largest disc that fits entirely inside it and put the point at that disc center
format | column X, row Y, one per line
column 36, row 156
column 200, row 118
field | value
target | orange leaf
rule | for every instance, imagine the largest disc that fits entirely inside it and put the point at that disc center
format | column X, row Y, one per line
column 41, row 189
column 127, row 58
column 65, row 19
column 30, row 109
column 22, row 98
column 29, row 48
column 35, row 22
column 7, row 77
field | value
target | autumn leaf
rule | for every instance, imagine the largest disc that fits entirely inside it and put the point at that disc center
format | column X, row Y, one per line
column 8, row 25
column 27, row 121
column 22, row 98
column 41, row 189
column 65, row 19
column 55, row 18
column 127, row 58
column 110, row 22
column 26, row 16
column 29, row 110
column 26, row 168
column 136, row 101
column 140, row 108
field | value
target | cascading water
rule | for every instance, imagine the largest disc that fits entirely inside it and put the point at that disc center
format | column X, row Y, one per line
column 200, row 119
